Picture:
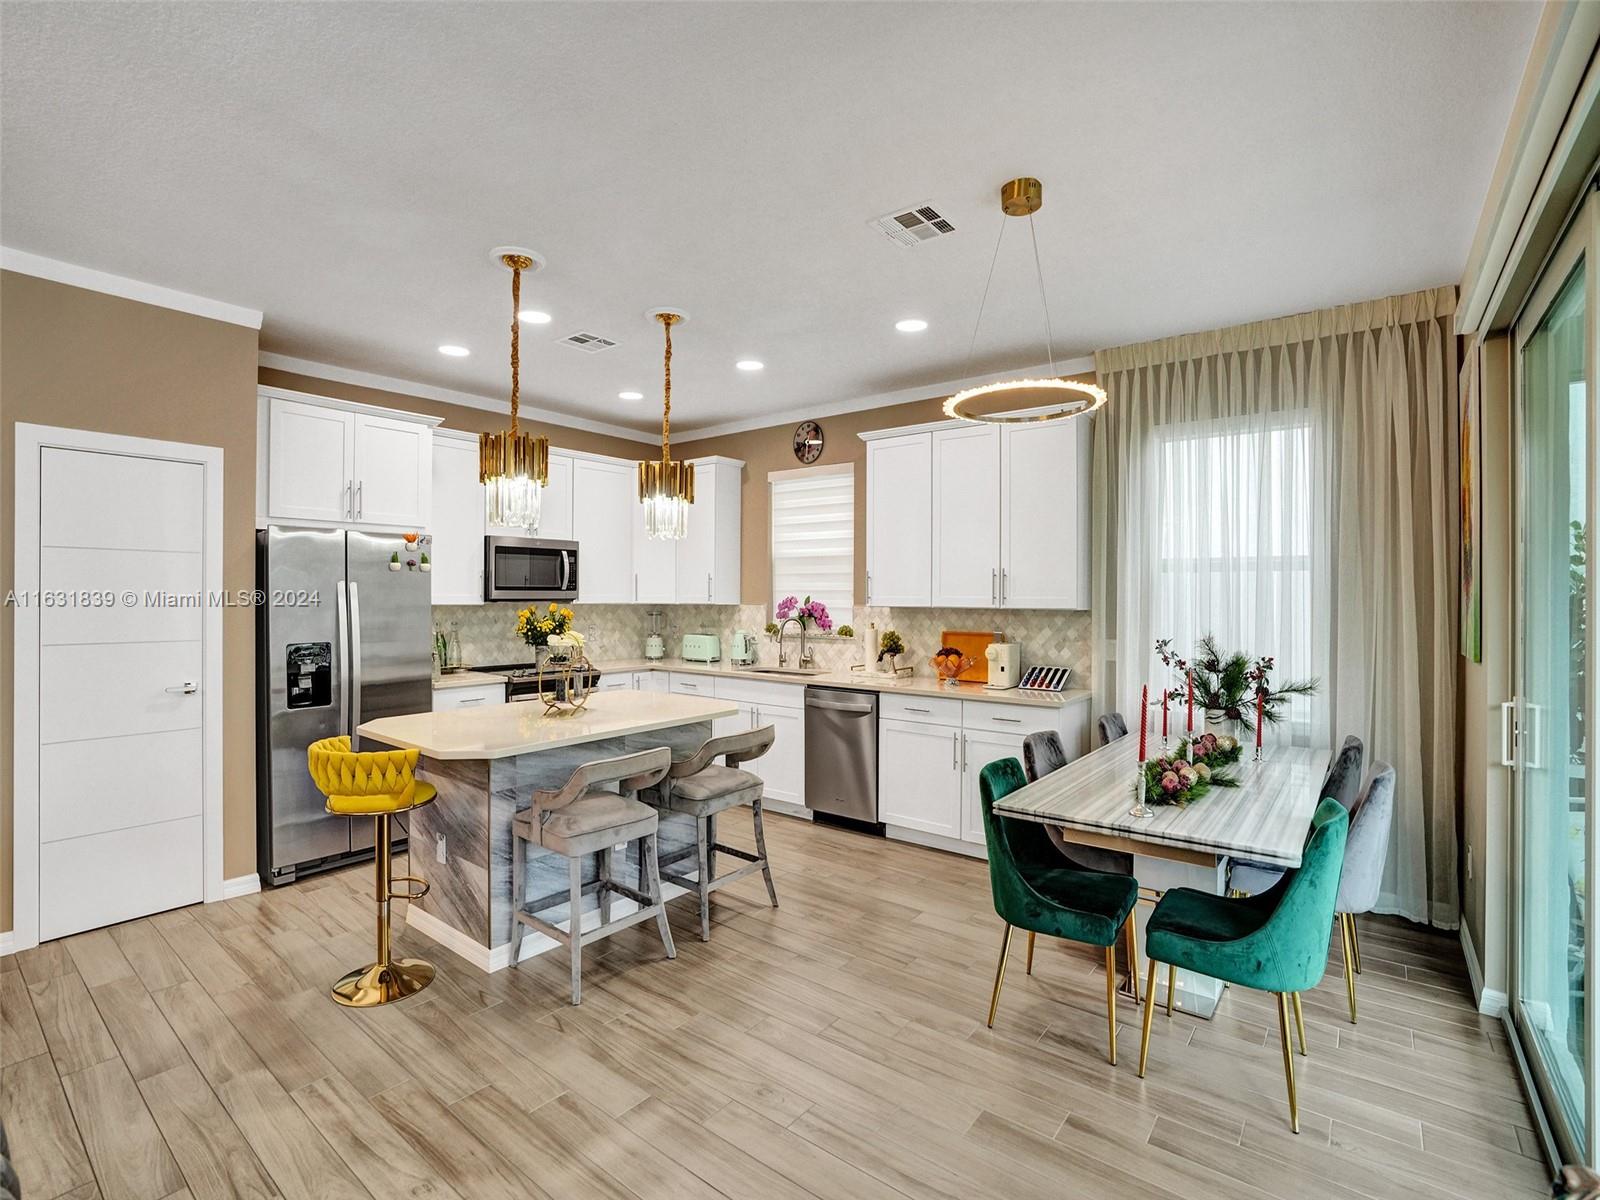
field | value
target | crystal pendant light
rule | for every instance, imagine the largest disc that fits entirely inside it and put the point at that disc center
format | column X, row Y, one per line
column 1049, row 399
column 514, row 467
column 666, row 488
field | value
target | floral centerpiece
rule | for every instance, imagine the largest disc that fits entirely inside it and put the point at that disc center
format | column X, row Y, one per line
column 1231, row 687
column 1191, row 770
column 812, row 614
column 542, row 626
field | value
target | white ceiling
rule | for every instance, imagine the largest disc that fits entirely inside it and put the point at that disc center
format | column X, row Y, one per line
column 346, row 168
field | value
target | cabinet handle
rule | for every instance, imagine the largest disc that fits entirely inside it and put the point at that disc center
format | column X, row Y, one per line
column 464, row 703
column 708, row 587
column 963, row 754
column 1002, row 585
column 1007, row 720
column 755, row 718
column 994, row 585
column 869, row 587
column 909, row 708
column 361, row 507
column 955, row 751
column 349, row 504
column 636, row 587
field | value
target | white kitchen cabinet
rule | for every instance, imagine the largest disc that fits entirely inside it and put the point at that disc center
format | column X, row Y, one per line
column 1044, row 514
column 393, row 471
column 331, row 461
column 650, row 681
column 604, row 507
column 655, row 565
column 456, row 522
column 919, row 777
column 310, row 472
column 479, row 696
column 783, row 767
column 978, row 750
column 966, row 517
column 622, row 681
column 900, row 521
column 707, row 560
column 691, row 685
column 742, row 720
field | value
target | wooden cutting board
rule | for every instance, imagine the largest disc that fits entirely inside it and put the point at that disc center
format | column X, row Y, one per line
column 972, row 643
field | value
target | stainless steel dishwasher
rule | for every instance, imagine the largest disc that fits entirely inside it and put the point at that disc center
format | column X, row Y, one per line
column 842, row 753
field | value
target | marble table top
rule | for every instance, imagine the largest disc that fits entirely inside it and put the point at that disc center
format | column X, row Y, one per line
column 505, row 730
column 1265, row 818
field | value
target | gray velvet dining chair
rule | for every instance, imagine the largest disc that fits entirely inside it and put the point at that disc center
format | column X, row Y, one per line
column 1365, row 853
column 1342, row 782
column 1112, row 727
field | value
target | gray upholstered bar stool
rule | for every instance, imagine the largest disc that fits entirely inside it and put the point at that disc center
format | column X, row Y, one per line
column 699, row 787
column 582, row 819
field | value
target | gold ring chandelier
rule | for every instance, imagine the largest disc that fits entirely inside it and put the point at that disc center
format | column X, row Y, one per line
column 1058, row 398
column 666, row 488
column 514, row 467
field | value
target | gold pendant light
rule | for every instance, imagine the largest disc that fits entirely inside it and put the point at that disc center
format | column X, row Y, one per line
column 514, row 467
column 666, row 488
column 1049, row 399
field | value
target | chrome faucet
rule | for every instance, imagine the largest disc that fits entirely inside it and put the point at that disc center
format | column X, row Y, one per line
column 805, row 654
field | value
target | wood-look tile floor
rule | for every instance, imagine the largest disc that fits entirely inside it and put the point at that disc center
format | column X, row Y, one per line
column 832, row 1048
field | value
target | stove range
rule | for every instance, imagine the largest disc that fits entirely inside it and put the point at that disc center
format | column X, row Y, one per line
column 525, row 681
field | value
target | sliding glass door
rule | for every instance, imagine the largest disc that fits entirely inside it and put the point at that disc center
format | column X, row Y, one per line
column 1553, row 980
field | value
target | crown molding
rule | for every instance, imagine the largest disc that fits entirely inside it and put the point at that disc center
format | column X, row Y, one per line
column 928, row 391
column 408, row 387
column 88, row 278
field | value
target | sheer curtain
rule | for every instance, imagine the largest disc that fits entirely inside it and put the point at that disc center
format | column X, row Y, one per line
column 1288, row 487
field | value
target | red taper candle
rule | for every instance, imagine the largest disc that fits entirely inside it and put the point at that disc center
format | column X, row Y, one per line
column 1144, row 716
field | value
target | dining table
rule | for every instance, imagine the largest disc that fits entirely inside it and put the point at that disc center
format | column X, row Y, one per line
column 1263, row 818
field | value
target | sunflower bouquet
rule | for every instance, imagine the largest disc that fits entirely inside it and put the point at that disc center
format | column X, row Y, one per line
column 537, row 626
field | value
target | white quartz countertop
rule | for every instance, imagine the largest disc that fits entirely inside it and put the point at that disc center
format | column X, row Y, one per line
column 866, row 681
column 504, row 730
column 467, row 679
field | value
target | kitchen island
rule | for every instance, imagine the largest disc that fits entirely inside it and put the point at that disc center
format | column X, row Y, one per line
column 486, row 763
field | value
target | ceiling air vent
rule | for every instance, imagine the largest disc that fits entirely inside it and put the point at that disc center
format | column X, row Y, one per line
column 914, row 226
column 589, row 343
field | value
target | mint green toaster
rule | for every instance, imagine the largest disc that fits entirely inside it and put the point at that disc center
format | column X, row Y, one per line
column 701, row 647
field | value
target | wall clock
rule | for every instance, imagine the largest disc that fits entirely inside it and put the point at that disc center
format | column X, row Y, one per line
column 808, row 442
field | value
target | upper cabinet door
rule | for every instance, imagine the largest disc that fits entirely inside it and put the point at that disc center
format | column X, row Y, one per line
column 457, row 522
column 966, row 517
column 310, row 476
column 393, row 471
column 900, row 521
column 655, row 564
column 1044, row 514
column 555, row 505
column 708, row 558
column 604, row 507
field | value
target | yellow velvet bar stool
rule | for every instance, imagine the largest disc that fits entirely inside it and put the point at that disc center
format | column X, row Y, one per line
column 376, row 784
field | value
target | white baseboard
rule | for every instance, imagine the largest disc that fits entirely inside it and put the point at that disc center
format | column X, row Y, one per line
column 7, row 943
column 240, row 885
column 936, row 841
column 1491, row 1001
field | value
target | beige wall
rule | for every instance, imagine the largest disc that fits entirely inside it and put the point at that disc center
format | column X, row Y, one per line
column 457, row 416
column 1485, row 784
column 83, row 360
column 772, row 449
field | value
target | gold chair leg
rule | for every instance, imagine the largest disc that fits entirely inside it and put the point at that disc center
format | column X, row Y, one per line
column 1347, row 940
column 1132, row 928
column 387, row 979
column 1111, row 1000
column 999, row 976
column 1031, row 935
column 1355, row 940
column 1172, row 986
column 1149, row 1011
column 1300, row 1024
column 1288, row 1060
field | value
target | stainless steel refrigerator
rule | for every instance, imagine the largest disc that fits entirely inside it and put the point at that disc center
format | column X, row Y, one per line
column 340, row 639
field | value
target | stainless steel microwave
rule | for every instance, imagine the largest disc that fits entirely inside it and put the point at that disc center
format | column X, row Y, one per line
column 525, row 569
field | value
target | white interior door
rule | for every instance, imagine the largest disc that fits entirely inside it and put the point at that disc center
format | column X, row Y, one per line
column 120, row 726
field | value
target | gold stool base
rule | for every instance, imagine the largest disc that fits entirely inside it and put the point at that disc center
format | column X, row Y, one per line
column 381, row 983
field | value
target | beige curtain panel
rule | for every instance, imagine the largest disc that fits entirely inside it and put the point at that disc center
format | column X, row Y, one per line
column 1290, row 486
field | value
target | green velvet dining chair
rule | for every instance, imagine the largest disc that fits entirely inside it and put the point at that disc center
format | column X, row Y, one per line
column 1034, row 891
column 1276, row 941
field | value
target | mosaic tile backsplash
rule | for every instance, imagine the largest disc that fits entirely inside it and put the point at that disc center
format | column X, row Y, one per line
column 617, row 631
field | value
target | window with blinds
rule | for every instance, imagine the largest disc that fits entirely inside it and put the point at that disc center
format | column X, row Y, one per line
column 813, row 514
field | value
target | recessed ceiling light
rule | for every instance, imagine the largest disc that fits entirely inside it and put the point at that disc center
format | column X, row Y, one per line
column 630, row 395
column 911, row 325
column 534, row 317
column 454, row 351
column 750, row 364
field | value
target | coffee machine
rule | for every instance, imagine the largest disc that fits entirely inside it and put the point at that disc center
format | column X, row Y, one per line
column 1005, row 665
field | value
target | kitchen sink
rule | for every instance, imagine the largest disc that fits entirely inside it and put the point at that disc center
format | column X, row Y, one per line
column 788, row 671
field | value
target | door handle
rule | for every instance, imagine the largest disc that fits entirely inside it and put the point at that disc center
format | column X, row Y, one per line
column 355, row 661
column 341, row 597
column 1535, row 737
column 184, row 689
column 1507, row 719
